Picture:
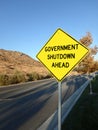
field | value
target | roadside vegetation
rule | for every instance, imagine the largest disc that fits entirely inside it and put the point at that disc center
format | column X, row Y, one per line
column 19, row 77
column 84, row 115
column 11, row 79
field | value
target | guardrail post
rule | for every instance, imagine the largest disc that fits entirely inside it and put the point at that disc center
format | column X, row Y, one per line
column 91, row 88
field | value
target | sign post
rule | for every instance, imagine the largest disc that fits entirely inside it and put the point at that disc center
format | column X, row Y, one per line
column 59, row 105
column 60, row 55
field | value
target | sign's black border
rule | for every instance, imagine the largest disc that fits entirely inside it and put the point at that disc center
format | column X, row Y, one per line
column 74, row 65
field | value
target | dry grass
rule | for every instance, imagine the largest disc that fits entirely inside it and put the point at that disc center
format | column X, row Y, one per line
column 12, row 62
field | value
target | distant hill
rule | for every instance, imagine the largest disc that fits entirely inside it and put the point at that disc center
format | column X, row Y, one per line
column 12, row 62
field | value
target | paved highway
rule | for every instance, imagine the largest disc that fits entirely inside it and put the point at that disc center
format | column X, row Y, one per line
column 27, row 106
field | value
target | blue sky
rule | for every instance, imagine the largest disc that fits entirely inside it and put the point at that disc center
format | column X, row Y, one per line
column 26, row 25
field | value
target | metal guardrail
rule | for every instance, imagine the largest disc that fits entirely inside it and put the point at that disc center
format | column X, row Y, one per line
column 52, row 122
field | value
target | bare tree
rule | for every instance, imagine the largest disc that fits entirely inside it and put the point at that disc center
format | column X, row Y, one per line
column 87, row 40
column 88, row 64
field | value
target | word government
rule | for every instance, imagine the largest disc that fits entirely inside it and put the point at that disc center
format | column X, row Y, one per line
column 62, row 47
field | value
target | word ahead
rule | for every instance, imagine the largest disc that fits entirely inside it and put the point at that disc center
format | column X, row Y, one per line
column 61, row 54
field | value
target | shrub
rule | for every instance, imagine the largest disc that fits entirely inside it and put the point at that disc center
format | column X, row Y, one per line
column 4, row 79
column 17, row 77
column 48, row 76
column 29, row 77
column 36, row 76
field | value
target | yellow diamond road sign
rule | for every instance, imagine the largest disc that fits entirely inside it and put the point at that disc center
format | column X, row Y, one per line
column 61, row 54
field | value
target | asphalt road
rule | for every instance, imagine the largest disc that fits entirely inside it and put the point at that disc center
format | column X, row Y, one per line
column 27, row 106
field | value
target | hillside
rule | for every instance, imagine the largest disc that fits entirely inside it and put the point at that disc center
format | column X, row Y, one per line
column 12, row 62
